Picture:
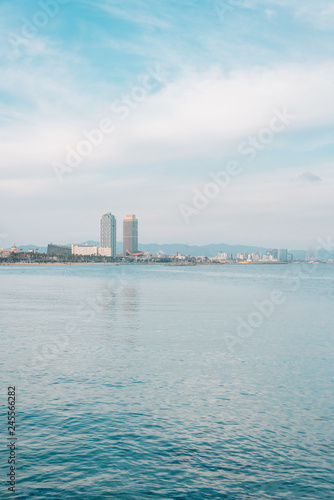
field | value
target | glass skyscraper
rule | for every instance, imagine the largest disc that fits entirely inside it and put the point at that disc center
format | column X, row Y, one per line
column 283, row 255
column 130, row 234
column 108, row 233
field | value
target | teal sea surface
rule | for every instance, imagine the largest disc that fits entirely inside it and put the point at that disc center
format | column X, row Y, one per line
column 138, row 382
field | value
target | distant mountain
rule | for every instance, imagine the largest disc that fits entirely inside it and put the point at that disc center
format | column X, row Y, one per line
column 192, row 250
column 211, row 250
column 298, row 254
column 196, row 251
column 88, row 242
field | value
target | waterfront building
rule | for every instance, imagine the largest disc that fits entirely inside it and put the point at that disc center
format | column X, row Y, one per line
column 4, row 253
column 273, row 253
column 105, row 252
column 179, row 256
column 254, row 257
column 84, row 250
column 108, row 234
column 283, row 255
column 130, row 235
column 58, row 249
column 15, row 250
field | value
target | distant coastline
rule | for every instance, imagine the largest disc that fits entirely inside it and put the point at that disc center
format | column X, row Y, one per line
column 207, row 250
column 138, row 263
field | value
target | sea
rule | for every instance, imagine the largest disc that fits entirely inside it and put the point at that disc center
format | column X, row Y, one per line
column 139, row 382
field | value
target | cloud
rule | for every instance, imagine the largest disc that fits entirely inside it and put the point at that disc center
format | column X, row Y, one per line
column 212, row 113
column 224, row 83
column 308, row 177
column 196, row 115
column 270, row 13
column 319, row 14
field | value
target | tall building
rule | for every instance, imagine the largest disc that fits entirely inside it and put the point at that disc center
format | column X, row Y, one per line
column 130, row 235
column 290, row 257
column 108, row 233
column 283, row 255
column 273, row 253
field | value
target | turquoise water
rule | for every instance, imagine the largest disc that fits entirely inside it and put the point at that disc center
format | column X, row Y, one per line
column 138, row 382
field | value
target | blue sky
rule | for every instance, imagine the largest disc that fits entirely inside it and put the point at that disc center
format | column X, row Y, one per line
column 207, row 76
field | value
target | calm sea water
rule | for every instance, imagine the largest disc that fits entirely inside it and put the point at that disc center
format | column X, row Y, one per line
column 157, row 382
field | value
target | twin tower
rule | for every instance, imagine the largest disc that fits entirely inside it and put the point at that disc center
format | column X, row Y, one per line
column 130, row 234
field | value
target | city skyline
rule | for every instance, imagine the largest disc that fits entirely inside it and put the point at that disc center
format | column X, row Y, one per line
column 167, row 248
column 108, row 241
column 152, row 133
column 108, row 245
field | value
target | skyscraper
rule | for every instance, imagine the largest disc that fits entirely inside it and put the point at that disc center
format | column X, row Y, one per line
column 108, row 233
column 283, row 255
column 130, row 234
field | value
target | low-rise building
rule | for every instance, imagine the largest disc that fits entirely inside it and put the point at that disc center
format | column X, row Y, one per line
column 15, row 250
column 105, row 252
column 58, row 249
column 254, row 257
column 273, row 252
column 4, row 253
column 179, row 256
column 84, row 250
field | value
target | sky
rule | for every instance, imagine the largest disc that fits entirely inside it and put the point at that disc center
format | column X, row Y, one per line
column 212, row 121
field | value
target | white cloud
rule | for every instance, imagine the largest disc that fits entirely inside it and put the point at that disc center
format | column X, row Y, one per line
column 194, row 116
column 307, row 176
column 320, row 14
column 202, row 114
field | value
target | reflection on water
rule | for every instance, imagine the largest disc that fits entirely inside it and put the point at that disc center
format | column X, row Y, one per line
column 112, row 311
column 127, row 390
